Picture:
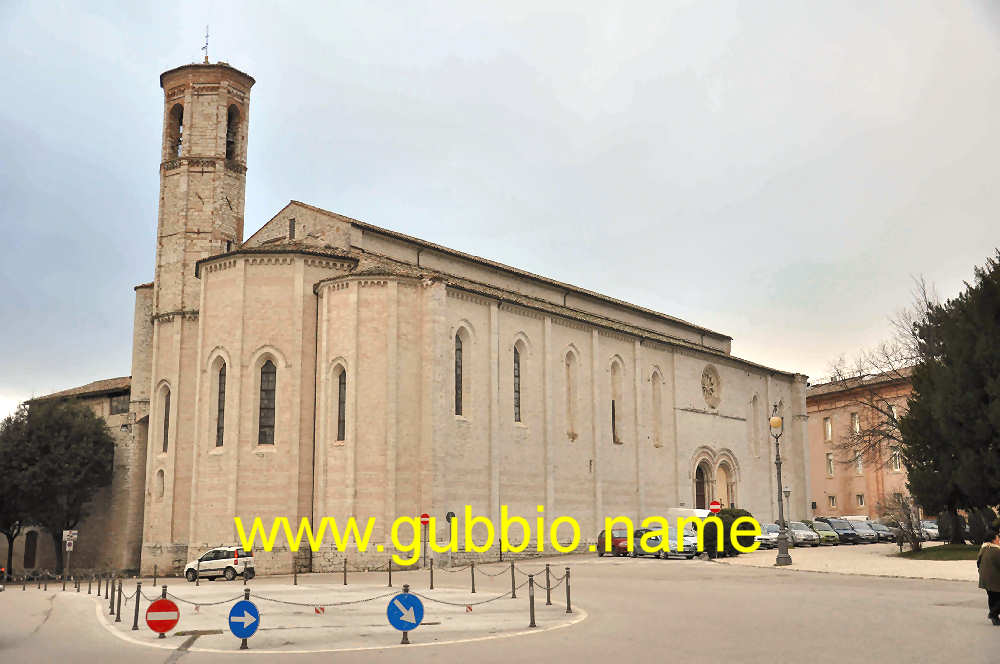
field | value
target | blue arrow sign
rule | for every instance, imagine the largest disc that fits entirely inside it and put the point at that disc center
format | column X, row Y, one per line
column 405, row 612
column 244, row 619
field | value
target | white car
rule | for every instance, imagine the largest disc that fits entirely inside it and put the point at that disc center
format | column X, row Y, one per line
column 768, row 537
column 227, row 562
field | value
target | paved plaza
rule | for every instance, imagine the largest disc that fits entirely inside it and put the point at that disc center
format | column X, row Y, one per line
column 676, row 610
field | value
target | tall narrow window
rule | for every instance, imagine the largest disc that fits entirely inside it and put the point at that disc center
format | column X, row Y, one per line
column 894, row 419
column 829, row 463
column 291, row 229
column 175, row 131
column 855, row 423
column 166, row 417
column 827, row 428
column 232, row 131
column 616, row 401
column 897, row 460
column 657, row 411
column 268, row 384
column 220, row 408
column 517, row 385
column 571, row 395
column 859, row 464
column 341, row 404
column 458, row 374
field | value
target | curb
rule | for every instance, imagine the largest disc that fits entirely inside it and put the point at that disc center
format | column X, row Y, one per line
column 827, row 571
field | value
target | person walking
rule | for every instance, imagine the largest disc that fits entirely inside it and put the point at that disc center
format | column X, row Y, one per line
column 988, row 563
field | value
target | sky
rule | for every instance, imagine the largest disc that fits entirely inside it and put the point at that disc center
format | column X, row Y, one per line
column 776, row 171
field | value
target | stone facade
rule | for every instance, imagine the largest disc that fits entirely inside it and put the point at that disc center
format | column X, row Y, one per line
column 834, row 471
column 312, row 371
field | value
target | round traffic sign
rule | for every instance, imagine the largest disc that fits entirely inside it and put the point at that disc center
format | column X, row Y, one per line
column 714, row 507
column 244, row 619
column 405, row 612
column 162, row 616
column 425, row 518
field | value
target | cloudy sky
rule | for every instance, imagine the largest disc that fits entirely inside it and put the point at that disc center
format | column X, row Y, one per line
column 777, row 171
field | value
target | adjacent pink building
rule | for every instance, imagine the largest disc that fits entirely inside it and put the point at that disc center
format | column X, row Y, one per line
column 840, row 483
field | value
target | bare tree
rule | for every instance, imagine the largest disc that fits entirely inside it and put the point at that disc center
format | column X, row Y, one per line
column 901, row 512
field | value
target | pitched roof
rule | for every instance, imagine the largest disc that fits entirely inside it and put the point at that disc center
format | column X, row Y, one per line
column 105, row 386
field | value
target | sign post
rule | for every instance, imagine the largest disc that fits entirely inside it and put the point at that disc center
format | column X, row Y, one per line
column 405, row 612
column 69, row 536
column 425, row 519
column 161, row 616
column 244, row 619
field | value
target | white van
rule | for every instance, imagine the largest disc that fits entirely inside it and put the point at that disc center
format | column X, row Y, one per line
column 227, row 562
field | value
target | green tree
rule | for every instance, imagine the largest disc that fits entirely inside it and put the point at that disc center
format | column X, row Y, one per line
column 13, row 512
column 67, row 455
column 951, row 431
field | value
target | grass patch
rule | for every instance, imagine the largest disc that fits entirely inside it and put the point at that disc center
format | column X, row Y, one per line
column 944, row 552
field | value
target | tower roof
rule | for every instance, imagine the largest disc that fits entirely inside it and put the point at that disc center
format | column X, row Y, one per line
column 203, row 67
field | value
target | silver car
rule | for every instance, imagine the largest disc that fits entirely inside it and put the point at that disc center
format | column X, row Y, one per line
column 768, row 537
column 802, row 535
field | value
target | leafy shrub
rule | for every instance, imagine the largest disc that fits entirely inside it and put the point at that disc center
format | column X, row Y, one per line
column 980, row 524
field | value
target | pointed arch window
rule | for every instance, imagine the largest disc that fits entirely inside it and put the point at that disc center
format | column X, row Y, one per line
column 268, row 387
column 458, row 374
column 175, row 131
column 616, row 401
column 341, row 404
column 166, row 417
column 571, row 391
column 657, row 410
column 232, row 131
column 220, row 409
column 517, row 384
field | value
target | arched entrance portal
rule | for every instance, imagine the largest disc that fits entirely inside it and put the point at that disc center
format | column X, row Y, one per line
column 727, row 485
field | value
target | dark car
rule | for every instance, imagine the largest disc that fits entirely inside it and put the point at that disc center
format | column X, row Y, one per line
column 865, row 531
column 843, row 528
column 883, row 532
column 619, row 543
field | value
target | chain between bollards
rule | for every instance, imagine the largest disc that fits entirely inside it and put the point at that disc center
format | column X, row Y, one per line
column 472, row 566
column 246, row 596
column 548, row 587
column 569, row 608
column 432, row 574
column 513, row 587
column 135, row 617
column 406, row 635
column 118, row 614
column 531, row 599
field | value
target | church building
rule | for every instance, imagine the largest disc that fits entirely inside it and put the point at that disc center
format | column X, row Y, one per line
column 325, row 366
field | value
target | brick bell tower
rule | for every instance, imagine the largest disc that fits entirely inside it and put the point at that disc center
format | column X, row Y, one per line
column 203, row 168
column 202, row 188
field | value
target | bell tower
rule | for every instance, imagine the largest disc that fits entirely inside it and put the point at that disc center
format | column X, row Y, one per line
column 202, row 176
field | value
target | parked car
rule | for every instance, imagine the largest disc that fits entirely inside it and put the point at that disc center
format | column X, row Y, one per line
column 227, row 562
column 827, row 535
column 652, row 544
column 768, row 537
column 801, row 534
column 930, row 530
column 843, row 528
column 689, row 549
column 883, row 531
column 619, row 543
column 865, row 531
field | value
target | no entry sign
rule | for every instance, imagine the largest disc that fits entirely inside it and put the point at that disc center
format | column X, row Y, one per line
column 714, row 507
column 162, row 616
column 425, row 518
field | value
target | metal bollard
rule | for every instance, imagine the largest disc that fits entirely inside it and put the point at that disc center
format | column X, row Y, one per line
column 135, row 617
column 513, row 588
column 246, row 596
column 163, row 593
column 472, row 566
column 295, row 575
column 548, row 587
column 569, row 608
column 406, row 635
column 111, row 599
column 100, row 577
column 390, row 571
column 531, row 599
column 197, row 573
column 118, row 615
column 107, row 582
column 39, row 582
column 64, row 580
column 46, row 583
column 345, row 570
column 24, row 583
column 90, row 584
column 77, row 585
column 154, row 574
column 432, row 574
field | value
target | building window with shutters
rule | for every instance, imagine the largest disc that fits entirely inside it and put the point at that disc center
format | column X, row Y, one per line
column 831, row 501
column 268, row 388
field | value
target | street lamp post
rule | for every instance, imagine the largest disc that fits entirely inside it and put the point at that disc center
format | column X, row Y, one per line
column 778, row 428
